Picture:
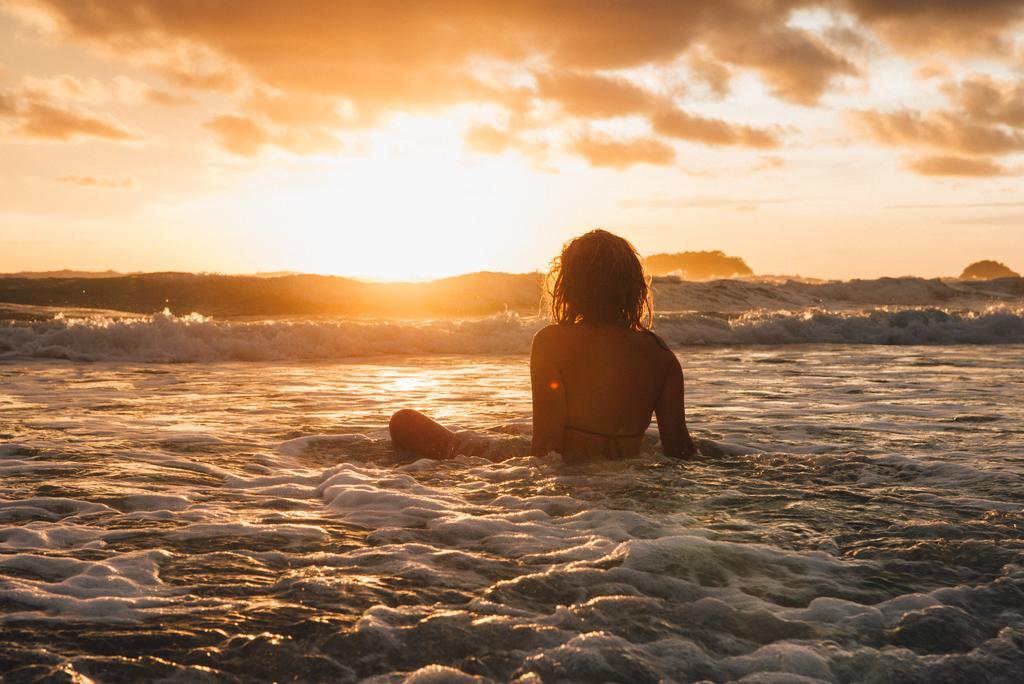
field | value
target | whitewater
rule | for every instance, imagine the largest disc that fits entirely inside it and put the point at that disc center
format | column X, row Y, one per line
column 196, row 498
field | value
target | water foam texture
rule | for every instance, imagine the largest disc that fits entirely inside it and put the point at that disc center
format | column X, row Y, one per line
column 164, row 337
column 122, row 588
column 580, row 573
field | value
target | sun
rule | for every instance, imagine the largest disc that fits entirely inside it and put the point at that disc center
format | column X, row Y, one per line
column 417, row 211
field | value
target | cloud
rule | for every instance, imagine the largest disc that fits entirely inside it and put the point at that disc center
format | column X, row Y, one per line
column 711, row 73
column 986, row 99
column 931, row 69
column 949, row 26
column 188, row 76
column 849, row 38
column 956, row 166
column 167, row 99
column 238, row 134
column 360, row 51
column 488, row 140
column 701, row 202
column 592, row 96
column 679, row 124
column 301, row 124
column 297, row 109
column 62, row 87
column 437, row 54
column 53, row 108
column 65, row 87
column 380, row 52
column 98, row 182
column 956, row 205
column 245, row 137
column 42, row 120
column 300, row 140
column 296, row 74
column 797, row 65
column 944, row 130
column 985, row 119
column 597, row 97
column 1013, row 220
column 8, row 105
column 770, row 161
column 621, row 154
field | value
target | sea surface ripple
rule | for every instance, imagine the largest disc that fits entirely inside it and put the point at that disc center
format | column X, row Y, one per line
column 857, row 516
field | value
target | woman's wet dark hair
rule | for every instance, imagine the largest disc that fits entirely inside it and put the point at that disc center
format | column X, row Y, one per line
column 599, row 278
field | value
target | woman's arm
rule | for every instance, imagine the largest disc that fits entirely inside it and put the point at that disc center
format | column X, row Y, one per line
column 675, row 437
column 548, row 397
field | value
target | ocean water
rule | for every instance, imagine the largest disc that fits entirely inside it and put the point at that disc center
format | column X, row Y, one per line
column 188, row 499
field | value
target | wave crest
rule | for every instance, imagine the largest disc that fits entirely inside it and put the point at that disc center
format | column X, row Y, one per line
column 164, row 337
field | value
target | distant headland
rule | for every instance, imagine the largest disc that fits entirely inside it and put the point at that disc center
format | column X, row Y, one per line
column 698, row 265
column 988, row 269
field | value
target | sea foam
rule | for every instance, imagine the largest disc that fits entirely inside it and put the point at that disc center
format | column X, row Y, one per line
column 164, row 337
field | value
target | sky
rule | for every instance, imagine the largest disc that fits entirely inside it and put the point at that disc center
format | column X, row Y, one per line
column 396, row 140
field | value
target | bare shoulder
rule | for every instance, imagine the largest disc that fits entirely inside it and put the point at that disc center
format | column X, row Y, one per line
column 656, row 339
column 661, row 349
column 547, row 337
column 657, row 345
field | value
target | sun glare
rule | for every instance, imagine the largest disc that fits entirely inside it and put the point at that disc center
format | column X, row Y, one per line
column 396, row 214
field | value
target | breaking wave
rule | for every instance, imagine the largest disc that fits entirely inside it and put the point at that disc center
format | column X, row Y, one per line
column 164, row 337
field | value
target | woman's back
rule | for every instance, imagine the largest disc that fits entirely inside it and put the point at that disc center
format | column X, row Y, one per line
column 595, row 387
column 612, row 375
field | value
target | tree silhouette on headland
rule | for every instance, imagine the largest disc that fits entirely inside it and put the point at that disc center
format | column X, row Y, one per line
column 987, row 270
column 698, row 265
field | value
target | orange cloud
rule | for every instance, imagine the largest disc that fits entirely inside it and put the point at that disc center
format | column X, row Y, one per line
column 592, row 96
column 950, row 26
column 47, row 121
column 59, row 87
column 598, row 97
column 985, row 99
column 97, row 182
column 488, row 139
column 167, row 99
column 940, row 130
column 956, row 166
column 39, row 119
column 382, row 52
column 301, row 140
column 701, row 202
column 360, row 51
column 359, row 54
column 931, row 69
column 770, row 161
column 238, row 134
column 713, row 74
column 986, row 119
column 63, row 88
column 188, row 77
column 797, row 65
column 243, row 136
column 296, row 109
column 621, row 154
column 8, row 106
column 679, row 124
column 326, row 65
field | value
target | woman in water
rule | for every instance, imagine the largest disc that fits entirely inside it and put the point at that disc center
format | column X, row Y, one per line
column 597, row 372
